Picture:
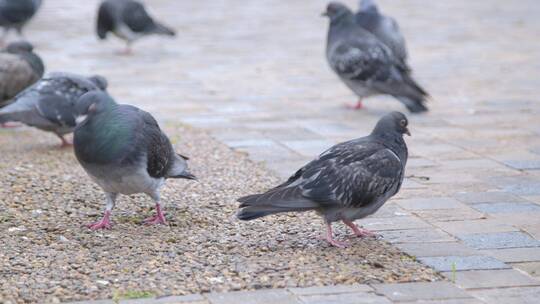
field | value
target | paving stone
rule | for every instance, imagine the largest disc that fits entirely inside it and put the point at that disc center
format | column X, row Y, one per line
column 452, row 301
column 188, row 299
column 514, row 254
column 452, row 215
column 436, row 249
column 475, row 226
column 532, row 268
column 420, row 291
column 390, row 209
column 499, row 240
column 310, row 148
column 491, row 278
column 395, row 223
column 523, row 164
column 458, row 263
column 347, row 298
column 518, row 185
column 488, row 197
column 430, row 203
column 253, row 297
column 256, row 142
column 327, row 290
column 416, row 236
column 506, row 207
column 516, row 295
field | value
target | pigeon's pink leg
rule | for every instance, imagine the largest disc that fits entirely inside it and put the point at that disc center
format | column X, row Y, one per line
column 126, row 51
column 7, row 125
column 104, row 223
column 65, row 143
column 359, row 231
column 159, row 218
column 357, row 106
column 329, row 237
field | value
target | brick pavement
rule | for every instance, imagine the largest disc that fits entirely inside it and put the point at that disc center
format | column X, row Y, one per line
column 253, row 74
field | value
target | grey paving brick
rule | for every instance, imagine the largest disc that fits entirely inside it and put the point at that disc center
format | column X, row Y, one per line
column 426, row 249
column 514, row 254
column 521, row 164
column 452, row 301
column 430, row 203
column 394, row 223
column 308, row 147
column 253, row 297
column 516, row 295
column 452, row 215
column 518, row 185
column 488, row 197
column 188, row 299
column 499, row 240
column 506, row 207
column 458, row 263
column 416, row 236
column 420, row 291
column 475, row 226
column 491, row 278
column 328, row 290
column 347, row 298
column 532, row 268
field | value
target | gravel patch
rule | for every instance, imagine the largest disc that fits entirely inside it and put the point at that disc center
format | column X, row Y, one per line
column 47, row 255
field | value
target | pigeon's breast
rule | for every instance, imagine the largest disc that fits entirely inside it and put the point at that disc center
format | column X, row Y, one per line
column 127, row 180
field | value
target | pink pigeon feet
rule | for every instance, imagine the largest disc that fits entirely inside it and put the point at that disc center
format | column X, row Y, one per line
column 159, row 218
column 9, row 126
column 330, row 239
column 105, row 222
column 65, row 143
column 357, row 106
column 359, row 231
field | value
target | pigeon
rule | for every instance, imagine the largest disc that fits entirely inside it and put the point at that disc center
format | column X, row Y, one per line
column 365, row 64
column 349, row 181
column 14, row 14
column 385, row 28
column 20, row 67
column 124, row 151
column 50, row 104
column 128, row 20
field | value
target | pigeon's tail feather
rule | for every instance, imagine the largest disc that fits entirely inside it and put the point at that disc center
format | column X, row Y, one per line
column 105, row 20
column 413, row 105
column 257, row 205
column 414, row 97
column 163, row 30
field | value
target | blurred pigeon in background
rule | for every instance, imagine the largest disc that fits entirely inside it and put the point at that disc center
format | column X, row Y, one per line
column 349, row 181
column 365, row 64
column 20, row 67
column 383, row 27
column 128, row 20
column 50, row 104
column 124, row 151
column 14, row 14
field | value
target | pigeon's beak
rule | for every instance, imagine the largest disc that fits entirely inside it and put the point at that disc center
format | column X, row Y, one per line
column 407, row 132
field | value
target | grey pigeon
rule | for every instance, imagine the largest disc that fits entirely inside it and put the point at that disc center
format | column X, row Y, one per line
column 349, row 181
column 383, row 27
column 50, row 104
column 365, row 64
column 14, row 14
column 20, row 67
column 128, row 20
column 124, row 151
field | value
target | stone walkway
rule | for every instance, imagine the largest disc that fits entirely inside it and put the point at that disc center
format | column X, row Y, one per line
column 253, row 74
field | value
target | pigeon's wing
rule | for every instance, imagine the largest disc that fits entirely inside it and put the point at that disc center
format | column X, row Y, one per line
column 136, row 18
column 15, row 75
column 391, row 35
column 105, row 19
column 353, row 174
column 360, row 60
column 57, row 109
column 13, row 12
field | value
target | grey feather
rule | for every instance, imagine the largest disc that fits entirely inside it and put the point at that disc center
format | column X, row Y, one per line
column 385, row 28
column 365, row 64
column 14, row 14
column 50, row 104
column 348, row 181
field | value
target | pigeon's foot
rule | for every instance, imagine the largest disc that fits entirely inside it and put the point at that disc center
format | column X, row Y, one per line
column 158, row 219
column 8, row 125
column 105, row 222
column 127, row 51
column 65, row 143
column 360, row 232
column 330, row 238
column 357, row 106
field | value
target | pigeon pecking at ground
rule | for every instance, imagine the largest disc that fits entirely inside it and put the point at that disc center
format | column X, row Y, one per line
column 124, row 151
column 50, row 104
column 14, row 14
column 383, row 27
column 349, row 181
column 365, row 64
column 20, row 67
column 128, row 20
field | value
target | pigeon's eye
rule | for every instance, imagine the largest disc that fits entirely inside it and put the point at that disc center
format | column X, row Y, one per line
column 403, row 122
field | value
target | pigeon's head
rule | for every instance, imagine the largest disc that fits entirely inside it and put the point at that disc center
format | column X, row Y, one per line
column 92, row 103
column 19, row 47
column 100, row 81
column 392, row 123
column 336, row 10
column 368, row 5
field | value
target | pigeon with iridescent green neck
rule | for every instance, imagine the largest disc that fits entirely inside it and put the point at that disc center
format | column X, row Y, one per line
column 124, row 151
